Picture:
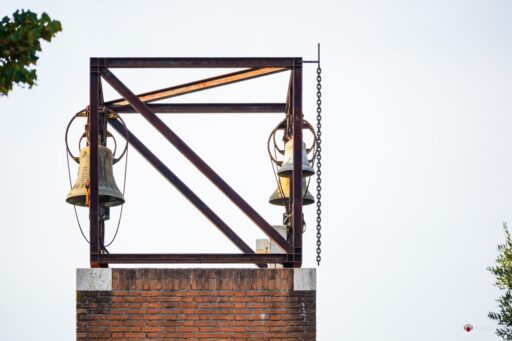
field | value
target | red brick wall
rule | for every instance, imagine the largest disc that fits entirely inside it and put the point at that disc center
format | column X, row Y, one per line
column 198, row 304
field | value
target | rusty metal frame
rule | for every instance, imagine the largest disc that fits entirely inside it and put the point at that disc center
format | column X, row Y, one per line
column 132, row 103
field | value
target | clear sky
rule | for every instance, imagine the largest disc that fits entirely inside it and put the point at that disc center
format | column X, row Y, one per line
column 417, row 155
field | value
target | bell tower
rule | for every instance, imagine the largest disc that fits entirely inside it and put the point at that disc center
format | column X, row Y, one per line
column 278, row 298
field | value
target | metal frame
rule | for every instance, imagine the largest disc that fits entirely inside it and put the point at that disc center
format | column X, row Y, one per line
column 132, row 103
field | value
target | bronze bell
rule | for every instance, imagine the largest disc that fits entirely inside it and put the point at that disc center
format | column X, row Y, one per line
column 287, row 168
column 109, row 193
column 281, row 195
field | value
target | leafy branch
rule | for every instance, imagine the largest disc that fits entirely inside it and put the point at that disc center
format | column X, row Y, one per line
column 503, row 273
column 19, row 43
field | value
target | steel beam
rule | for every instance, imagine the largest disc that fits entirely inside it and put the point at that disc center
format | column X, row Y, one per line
column 207, row 108
column 180, row 186
column 289, row 105
column 200, row 85
column 175, row 140
column 193, row 62
column 297, row 219
column 94, row 170
column 182, row 258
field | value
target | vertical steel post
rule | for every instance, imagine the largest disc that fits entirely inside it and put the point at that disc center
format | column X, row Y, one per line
column 104, row 212
column 93, row 136
column 297, row 220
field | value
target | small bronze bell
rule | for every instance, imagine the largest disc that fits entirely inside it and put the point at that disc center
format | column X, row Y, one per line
column 281, row 195
column 287, row 168
column 109, row 193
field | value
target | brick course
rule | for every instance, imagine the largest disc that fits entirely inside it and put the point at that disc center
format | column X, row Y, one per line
column 198, row 304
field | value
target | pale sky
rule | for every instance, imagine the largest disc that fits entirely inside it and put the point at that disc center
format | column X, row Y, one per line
column 417, row 155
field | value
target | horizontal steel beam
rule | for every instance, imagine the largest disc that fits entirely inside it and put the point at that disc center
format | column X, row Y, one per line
column 200, row 85
column 206, row 108
column 191, row 62
column 182, row 258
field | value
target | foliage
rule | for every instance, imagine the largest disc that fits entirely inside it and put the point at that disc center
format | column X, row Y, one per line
column 19, row 43
column 503, row 273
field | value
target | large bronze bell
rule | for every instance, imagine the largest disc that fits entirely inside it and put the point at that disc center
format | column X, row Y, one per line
column 109, row 193
column 287, row 168
column 281, row 195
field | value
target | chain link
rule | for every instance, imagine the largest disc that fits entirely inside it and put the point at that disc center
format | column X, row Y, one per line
column 318, row 164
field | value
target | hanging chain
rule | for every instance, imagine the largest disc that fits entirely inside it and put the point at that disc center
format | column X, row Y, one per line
column 318, row 164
